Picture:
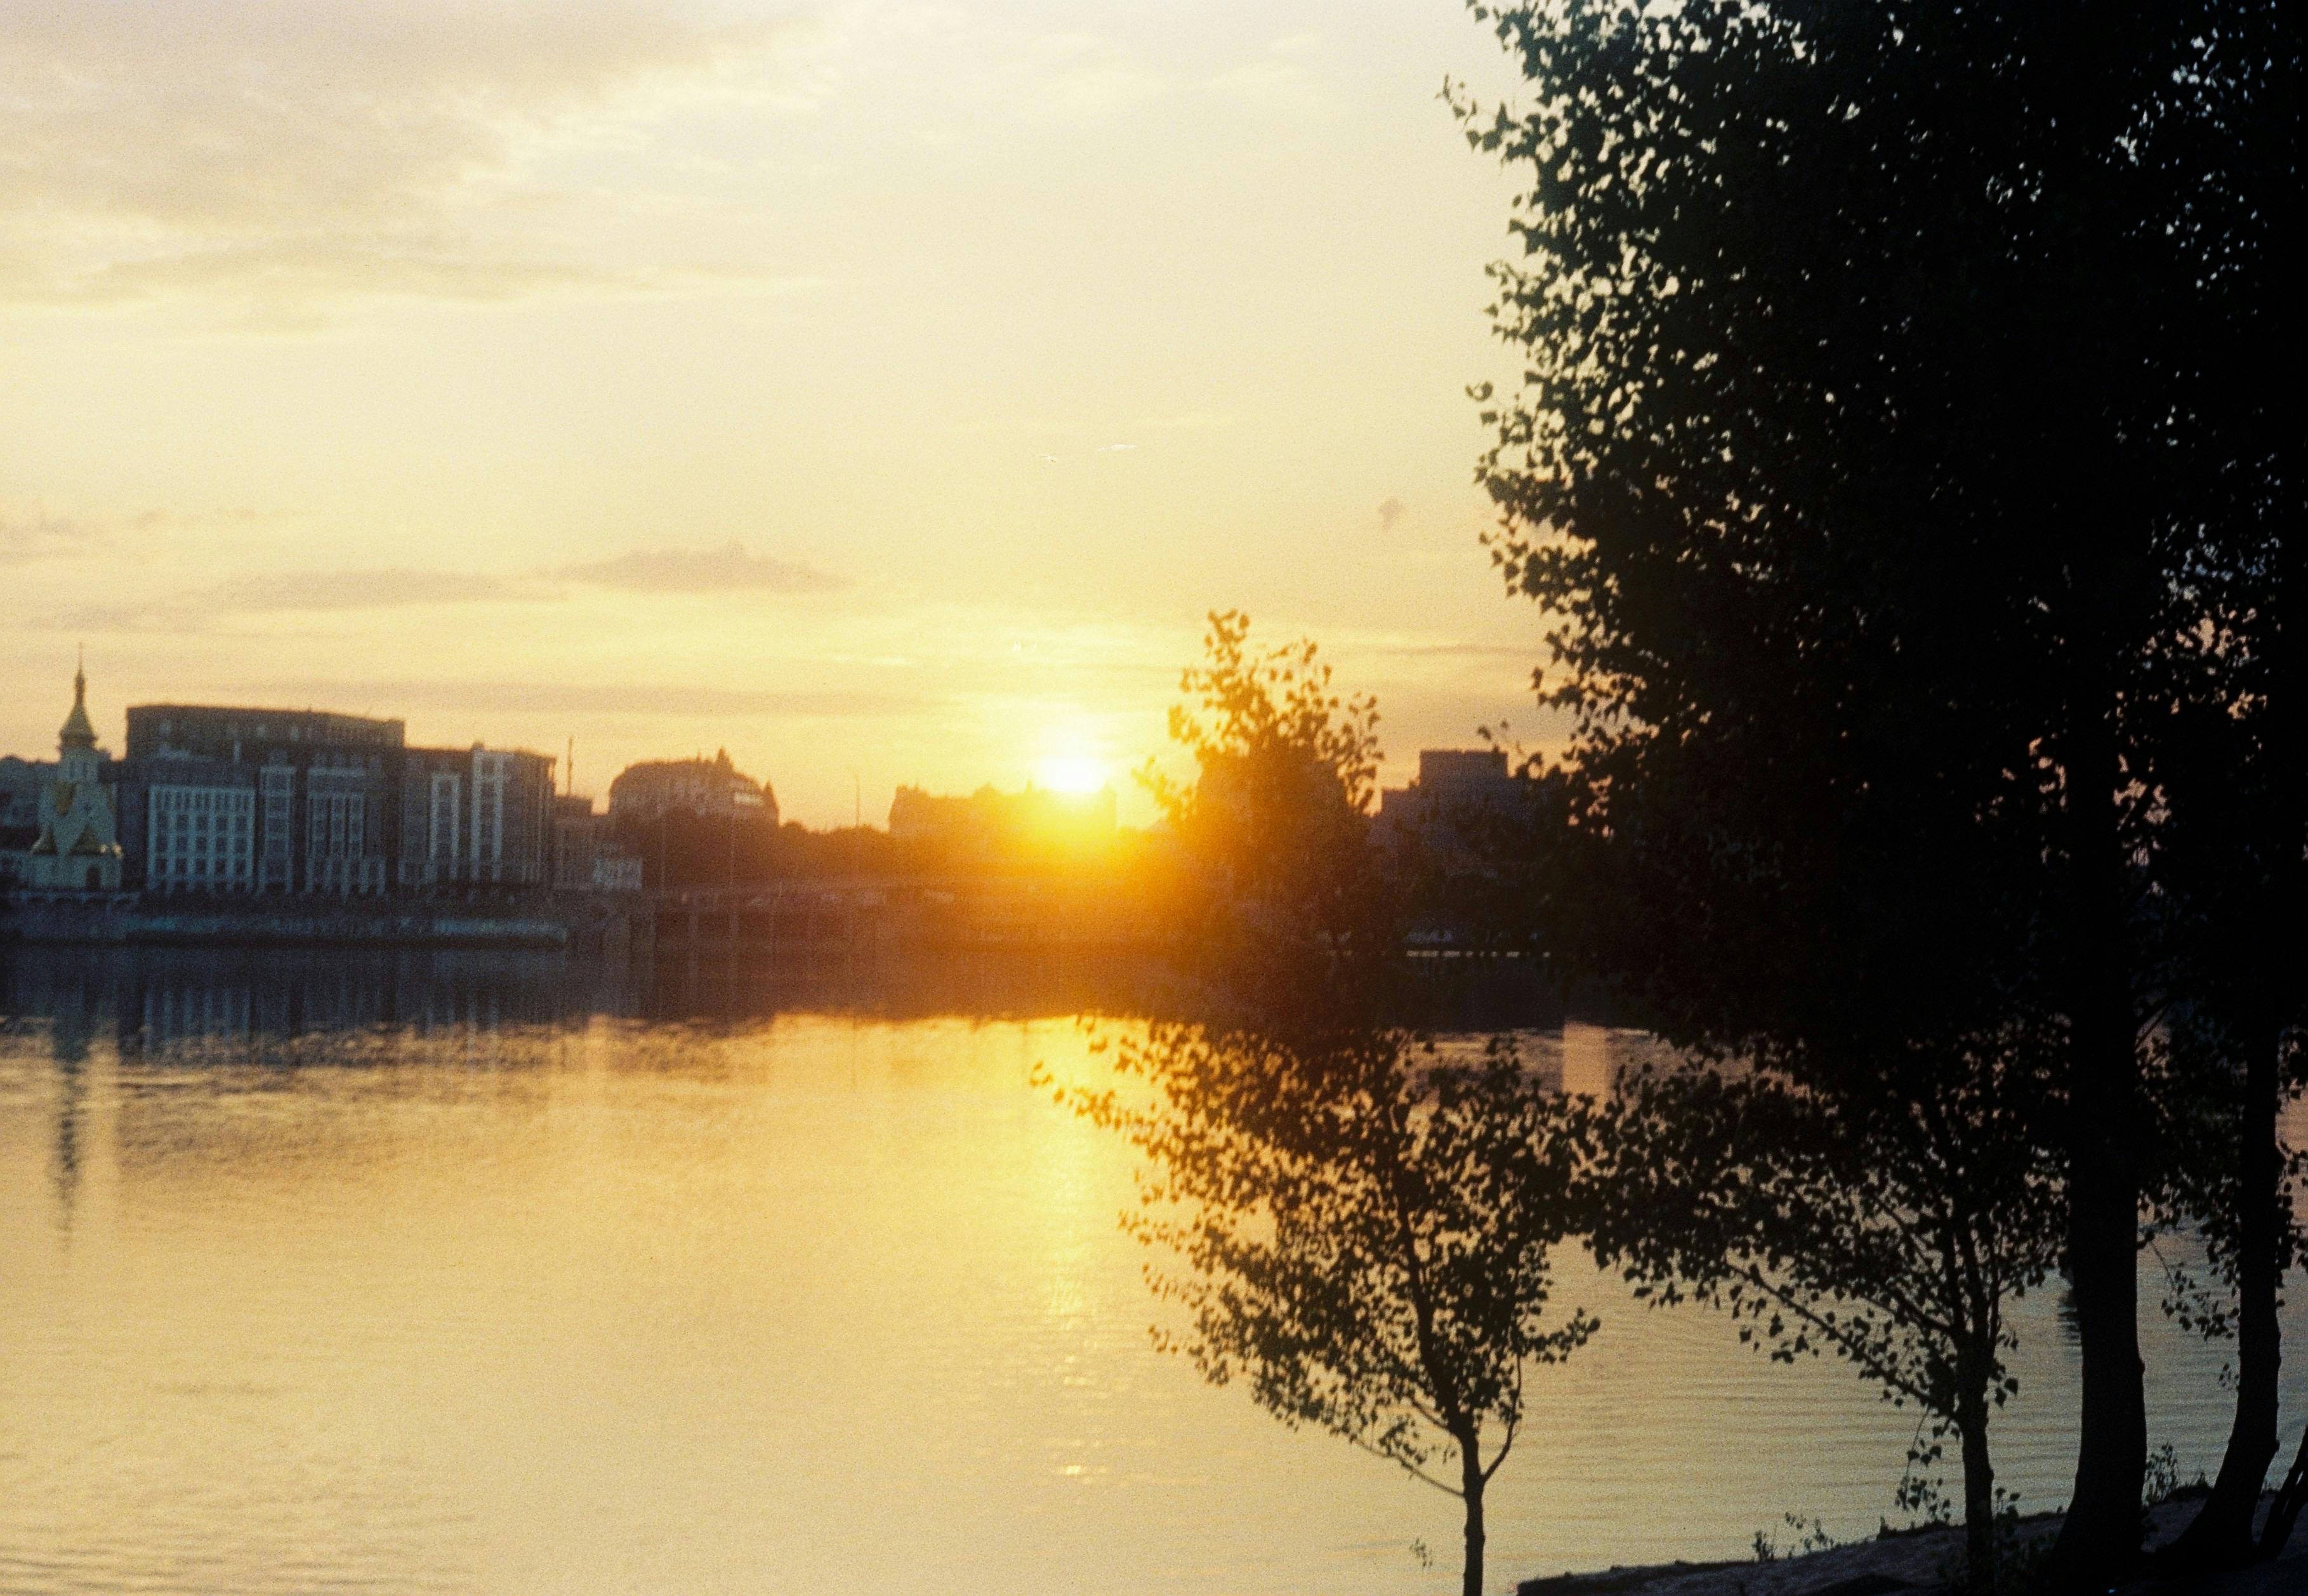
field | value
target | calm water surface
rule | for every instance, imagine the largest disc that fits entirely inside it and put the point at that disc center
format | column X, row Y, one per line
column 409, row 1275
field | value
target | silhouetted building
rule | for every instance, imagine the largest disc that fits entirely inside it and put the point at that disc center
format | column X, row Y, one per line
column 1453, row 785
column 220, row 799
column 586, row 858
column 20, row 793
column 317, row 791
column 197, row 822
column 77, row 848
column 476, row 816
column 712, row 787
column 989, row 824
column 21, row 781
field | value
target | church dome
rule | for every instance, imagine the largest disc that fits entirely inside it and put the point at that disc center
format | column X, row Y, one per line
column 78, row 731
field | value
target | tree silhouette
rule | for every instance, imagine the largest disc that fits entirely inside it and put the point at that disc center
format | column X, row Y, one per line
column 1902, row 384
column 1285, row 915
column 1360, row 1231
column 1891, row 1229
column 1359, row 1228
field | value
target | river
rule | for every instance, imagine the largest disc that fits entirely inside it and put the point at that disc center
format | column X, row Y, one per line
column 484, row 1274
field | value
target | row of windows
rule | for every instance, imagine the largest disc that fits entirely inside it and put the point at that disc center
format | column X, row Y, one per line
column 207, row 835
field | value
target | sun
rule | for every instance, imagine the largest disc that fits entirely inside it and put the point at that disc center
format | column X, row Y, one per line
column 1074, row 774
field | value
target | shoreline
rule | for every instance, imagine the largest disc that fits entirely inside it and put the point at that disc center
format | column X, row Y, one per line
column 1918, row 1561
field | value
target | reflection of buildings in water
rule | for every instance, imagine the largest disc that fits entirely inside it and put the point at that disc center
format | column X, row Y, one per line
column 248, row 1005
column 283, row 1005
column 64, row 1163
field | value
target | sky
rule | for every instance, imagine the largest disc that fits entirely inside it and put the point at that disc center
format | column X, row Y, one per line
column 881, row 390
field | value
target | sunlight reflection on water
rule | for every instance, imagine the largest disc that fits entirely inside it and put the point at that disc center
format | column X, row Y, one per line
column 469, row 1289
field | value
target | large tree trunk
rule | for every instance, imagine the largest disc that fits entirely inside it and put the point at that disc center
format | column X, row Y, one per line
column 1471, row 1486
column 2101, row 1535
column 2220, row 1536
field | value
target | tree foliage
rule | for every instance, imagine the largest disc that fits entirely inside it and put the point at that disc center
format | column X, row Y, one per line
column 1910, row 424
column 1890, row 1229
column 1281, row 886
column 1362, row 1234
column 1356, row 1227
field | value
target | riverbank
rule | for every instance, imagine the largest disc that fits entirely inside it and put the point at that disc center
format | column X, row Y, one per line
column 1920, row 1561
column 124, row 921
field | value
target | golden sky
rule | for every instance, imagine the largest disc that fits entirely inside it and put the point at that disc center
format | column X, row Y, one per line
column 877, row 386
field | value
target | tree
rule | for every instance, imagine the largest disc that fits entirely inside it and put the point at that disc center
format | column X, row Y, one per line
column 1359, row 1230
column 1899, row 381
column 2214, row 1140
column 1281, row 893
column 2231, row 870
column 1890, row 1227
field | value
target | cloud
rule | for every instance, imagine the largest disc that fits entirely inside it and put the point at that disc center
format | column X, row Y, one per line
column 317, row 147
column 726, row 569
column 1391, row 513
column 367, row 590
column 291, row 592
column 39, row 536
column 557, row 698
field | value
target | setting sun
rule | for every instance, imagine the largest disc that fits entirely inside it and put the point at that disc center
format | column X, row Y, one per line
column 1075, row 774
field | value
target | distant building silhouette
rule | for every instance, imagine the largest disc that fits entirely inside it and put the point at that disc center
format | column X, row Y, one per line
column 233, row 800
column 585, row 858
column 21, row 781
column 1452, row 785
column 989, row 824
column 713, row 789
column 476, row 816
column 311, row 795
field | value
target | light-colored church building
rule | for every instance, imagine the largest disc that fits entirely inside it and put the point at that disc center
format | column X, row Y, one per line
column 78, row 850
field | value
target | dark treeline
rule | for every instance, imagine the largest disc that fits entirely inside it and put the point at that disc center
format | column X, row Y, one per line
column 1905, row 460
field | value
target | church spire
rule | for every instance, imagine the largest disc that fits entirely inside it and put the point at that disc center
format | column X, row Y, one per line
column 78, row 731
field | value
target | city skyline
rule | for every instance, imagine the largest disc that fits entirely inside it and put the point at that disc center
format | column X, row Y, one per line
column 667, row 376
column 1066, row 775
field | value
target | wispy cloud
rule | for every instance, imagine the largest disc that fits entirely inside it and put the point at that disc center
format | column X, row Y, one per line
column 557, row 698
column 726, row 569
column 37, row 537
column 369, row 589
column 327, row 147
column 699, row 573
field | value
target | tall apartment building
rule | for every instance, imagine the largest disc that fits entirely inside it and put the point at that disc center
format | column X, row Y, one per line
column 477, row 817
column 219, row 798
column 319, row 790
column 198, row 819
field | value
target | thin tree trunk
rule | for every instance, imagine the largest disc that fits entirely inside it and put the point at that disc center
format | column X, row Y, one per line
column 2285, row 1511
column 1470, row 1485
column 2220, row 1536
column 1978, row 1513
